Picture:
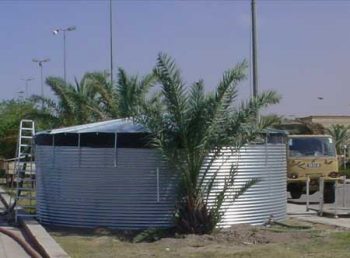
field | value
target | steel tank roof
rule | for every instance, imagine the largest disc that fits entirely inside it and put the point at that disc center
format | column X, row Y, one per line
column 111, row 126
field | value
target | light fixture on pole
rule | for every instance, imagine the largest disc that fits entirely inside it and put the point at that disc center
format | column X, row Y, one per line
column 20, row 95
column 63, row 30
column 40, row 62
column 27, row 80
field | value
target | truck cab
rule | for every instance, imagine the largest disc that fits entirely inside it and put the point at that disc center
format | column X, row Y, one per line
column 312, row 156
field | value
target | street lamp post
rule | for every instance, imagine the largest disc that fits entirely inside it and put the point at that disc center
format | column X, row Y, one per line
column 63, row 30
column 27, row 80
column 40, row 63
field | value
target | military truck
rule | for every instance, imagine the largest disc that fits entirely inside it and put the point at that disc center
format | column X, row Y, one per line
column 313, row 156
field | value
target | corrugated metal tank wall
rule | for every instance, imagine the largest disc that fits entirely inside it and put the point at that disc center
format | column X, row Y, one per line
column 268, row 197
column 81, row 187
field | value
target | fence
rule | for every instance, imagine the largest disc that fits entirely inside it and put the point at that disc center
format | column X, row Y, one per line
column 341, row 204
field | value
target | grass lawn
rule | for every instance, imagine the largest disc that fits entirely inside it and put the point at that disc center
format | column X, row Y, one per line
column 312, row 240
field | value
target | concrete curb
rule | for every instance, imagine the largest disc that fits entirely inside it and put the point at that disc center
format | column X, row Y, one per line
column 44, row 243
column 42, row 240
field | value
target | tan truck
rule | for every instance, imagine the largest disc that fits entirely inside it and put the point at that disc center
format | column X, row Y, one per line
column 313, row 156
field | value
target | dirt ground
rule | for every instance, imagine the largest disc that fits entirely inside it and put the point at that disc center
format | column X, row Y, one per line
column 293, row 239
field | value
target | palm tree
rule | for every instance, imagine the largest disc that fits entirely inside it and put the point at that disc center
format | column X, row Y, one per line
column 78, row 103
column 340, row 134
column 93, row 98
column 70, row 107
column 50, row 116
column 132, row 92
column 125, row 98
column 190, row 128
column 106, row 96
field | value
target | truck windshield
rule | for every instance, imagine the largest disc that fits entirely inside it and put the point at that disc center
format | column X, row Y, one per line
column 306, row 147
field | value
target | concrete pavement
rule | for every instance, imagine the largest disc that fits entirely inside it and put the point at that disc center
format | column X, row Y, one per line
column 297, row 209
column 9, row 248
column 37, row 234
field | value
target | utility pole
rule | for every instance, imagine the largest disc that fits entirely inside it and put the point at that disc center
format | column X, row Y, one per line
column 111, row 37
column 254, row 50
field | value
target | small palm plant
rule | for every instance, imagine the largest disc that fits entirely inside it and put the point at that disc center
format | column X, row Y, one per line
column 191, row 128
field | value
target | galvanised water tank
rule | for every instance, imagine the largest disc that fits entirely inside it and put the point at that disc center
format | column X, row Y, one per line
column 105, row 175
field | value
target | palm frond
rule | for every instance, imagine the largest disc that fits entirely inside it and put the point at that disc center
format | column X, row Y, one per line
column 61, row 90
column 172, row 87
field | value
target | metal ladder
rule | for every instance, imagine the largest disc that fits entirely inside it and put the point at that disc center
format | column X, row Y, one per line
column 25, row 171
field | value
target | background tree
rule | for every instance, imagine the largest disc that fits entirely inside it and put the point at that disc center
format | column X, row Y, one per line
column 11, row 113
column 191, row 128
column 299, row 126
column 341, row 136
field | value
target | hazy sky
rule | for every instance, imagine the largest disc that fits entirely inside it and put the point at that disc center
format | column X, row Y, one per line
column 304, row 46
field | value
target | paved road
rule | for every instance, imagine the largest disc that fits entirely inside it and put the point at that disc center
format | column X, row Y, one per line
column 8, row 247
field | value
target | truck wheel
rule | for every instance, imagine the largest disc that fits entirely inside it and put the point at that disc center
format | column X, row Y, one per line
column 296, row 193
column 329, row 193
column 295, row 190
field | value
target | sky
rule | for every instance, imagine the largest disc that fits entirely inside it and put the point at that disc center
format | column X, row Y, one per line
column 303, row 45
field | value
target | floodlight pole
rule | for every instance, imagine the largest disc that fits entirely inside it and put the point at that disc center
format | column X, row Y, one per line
column 40, row 63
column 254, row 57
column 254, row 50
column 63, row 30
column 64, row 57
column 111, row 37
